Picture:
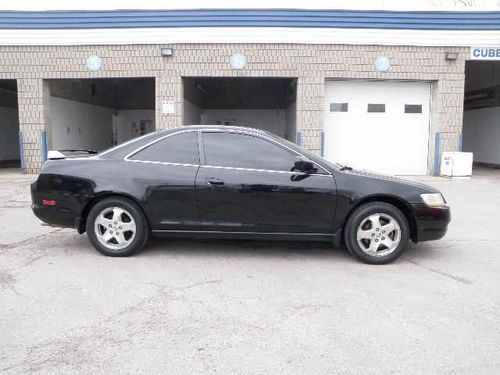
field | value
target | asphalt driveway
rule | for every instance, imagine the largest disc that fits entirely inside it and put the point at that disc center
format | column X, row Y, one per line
column 242, row 307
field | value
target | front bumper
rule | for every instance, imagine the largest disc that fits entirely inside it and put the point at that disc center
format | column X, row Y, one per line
column 431, row 222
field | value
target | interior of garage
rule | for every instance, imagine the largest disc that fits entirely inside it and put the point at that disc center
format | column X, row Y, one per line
column 481, row 126
column 95, row 114
column 9, row 125
column 262, row 103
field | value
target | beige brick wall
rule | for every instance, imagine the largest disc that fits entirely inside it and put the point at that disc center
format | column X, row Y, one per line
column 311, row 64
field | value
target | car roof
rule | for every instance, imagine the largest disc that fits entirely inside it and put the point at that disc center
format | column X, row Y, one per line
column 219, row 127
column 123, row 149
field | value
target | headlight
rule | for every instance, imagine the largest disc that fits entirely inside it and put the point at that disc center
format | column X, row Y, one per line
column 433, row 200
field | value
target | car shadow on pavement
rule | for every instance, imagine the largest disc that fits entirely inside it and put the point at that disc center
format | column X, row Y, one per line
column 230, row 248
column 416, row 253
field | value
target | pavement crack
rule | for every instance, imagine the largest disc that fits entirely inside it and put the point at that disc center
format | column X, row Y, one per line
column 201, row 283
column 451, row 276
column 7, row 281
column 76, row 346
column 472, row 240
column 460, row 279
column 27, row 241
column 313, row 307
column 27, row 263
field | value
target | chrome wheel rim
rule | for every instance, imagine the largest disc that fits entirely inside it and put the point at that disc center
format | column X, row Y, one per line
column 379, row 235
column 115, row 228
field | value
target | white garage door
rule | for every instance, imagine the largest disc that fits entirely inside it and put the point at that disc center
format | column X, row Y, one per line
column 380, row 126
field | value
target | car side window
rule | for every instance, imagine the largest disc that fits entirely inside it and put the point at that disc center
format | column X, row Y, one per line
column 245, row 151
column 179, row 148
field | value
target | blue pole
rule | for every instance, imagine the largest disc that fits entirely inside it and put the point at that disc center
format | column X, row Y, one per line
column 44, row 146
column 437, row 153
column 322, row 140
column 21, row 150
column 298, row 138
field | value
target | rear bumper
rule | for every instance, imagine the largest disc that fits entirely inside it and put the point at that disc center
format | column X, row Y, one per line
column 61, row 217
column 432, row 223
column 64, row 214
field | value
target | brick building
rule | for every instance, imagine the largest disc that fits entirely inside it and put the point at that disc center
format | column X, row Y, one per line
column 380, row 89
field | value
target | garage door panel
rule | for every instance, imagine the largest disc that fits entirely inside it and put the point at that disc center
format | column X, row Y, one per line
column 381, row 126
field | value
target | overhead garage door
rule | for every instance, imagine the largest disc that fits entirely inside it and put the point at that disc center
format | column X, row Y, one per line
column 381, row 126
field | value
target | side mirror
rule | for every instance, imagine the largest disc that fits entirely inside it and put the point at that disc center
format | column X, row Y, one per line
column 305, row 166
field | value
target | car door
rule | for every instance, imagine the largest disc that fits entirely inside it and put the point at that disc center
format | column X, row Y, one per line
column 165, row 172
column 246, row 184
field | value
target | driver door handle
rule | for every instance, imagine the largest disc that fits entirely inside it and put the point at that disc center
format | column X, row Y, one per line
column 215, row 181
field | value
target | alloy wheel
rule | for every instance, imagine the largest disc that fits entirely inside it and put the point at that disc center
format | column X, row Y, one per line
column 115, row 228
column 379, row 235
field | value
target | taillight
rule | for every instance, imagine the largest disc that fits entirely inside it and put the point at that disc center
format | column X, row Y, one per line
column 49, row 202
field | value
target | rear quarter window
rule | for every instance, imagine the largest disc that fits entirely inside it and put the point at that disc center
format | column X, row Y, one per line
column 180, row 148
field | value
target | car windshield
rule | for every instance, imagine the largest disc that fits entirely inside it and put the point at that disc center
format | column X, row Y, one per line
column 304, row 152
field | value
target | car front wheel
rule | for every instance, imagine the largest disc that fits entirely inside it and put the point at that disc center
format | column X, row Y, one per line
column 117, row 227
column 377, row 233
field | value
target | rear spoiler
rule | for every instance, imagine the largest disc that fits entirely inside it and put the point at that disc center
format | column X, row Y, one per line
column 63, row 154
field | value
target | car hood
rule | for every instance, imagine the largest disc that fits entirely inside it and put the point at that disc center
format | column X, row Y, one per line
column 396, row 180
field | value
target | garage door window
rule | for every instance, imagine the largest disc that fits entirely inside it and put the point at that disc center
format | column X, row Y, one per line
column 413, row 108
column 339, row 107
column 245, row 151
column 180, row 148
column 376, row 108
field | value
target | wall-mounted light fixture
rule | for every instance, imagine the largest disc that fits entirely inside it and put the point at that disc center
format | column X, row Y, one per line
column 199, row 87
column 451, row 56
column 94, row 63
column 382, row 64
column 165, row 52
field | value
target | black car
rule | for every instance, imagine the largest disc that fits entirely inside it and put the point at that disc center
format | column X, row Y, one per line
column 232, row 182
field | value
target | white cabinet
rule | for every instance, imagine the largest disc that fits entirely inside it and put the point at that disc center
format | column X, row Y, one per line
column 456, row 164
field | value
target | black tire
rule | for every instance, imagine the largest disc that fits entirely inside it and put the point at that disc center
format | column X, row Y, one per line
column 141, row 224
column 363, row 212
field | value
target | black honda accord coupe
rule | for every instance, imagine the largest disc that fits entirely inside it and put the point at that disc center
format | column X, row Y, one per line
column 232, row 182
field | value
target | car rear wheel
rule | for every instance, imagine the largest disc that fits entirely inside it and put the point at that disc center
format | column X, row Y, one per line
column 117, row 227
column 377, row 233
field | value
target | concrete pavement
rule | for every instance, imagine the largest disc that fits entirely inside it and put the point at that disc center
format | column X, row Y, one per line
column 242, row 307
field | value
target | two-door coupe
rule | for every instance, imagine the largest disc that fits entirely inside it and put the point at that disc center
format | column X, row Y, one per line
column 232, row 182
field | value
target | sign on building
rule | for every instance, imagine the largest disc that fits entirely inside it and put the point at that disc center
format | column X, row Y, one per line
column 485, row 53
column 167, row 107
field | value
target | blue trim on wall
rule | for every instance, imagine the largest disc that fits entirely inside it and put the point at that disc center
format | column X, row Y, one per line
column 322, row 143
column 21, row 150
column 44, row 145
column 351, row 19
column 460, row 142
column 437, row 153
column 298, row 138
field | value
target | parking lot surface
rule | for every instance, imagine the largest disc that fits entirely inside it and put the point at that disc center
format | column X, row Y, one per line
column 242, row 307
